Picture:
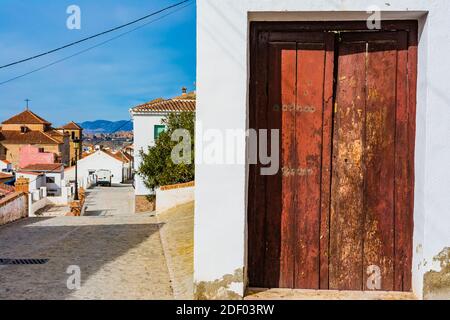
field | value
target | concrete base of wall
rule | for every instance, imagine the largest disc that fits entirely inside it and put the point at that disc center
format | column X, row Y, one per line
column 143, row 204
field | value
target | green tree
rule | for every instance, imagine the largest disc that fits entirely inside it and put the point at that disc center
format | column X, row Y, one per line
column 157, row 167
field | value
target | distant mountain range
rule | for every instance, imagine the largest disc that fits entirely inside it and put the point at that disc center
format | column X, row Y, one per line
column 105, row 126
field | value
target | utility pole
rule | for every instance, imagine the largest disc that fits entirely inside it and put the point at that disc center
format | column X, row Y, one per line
column 76, row 141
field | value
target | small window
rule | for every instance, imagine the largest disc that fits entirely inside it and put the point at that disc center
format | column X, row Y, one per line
column 158, row 130
column 50, row 179
column 73, row 135
column 23, row 129
column 41, row 150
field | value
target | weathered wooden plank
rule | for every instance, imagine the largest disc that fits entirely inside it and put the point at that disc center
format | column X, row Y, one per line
column 327, row 132
column 401, row 166
column 288, row 55
column 308, row 154
column 280, row 189
column 347, row 200
column 409, row 217
column 320, row 26
column 257, row 187
column 379, row 212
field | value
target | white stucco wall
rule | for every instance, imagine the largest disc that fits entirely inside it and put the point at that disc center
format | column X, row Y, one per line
column 166, row 199
column 98, row 160
column 144, row 137
column 56, row 186
column 5, row 166
column 222, row 103
column 13, row 207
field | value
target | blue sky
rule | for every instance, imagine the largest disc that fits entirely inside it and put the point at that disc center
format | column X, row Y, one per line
column 155, row 61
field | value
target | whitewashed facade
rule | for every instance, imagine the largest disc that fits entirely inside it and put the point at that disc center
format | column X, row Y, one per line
column 147, row 122
column 99, row 160
column 5, row 166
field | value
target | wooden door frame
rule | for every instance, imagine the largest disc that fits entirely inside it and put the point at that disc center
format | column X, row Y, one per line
column 409, row 26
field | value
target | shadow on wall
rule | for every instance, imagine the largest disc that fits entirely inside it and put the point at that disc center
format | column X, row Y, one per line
column 63, row 246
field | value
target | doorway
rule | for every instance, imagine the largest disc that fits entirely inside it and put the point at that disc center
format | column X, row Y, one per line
column 338, row 214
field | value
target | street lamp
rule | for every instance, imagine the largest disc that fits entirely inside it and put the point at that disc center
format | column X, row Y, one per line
column 77, row 146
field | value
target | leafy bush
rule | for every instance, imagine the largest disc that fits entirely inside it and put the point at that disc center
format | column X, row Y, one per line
column 157, row 167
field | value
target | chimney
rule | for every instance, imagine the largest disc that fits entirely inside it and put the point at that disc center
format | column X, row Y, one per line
column 184, row 91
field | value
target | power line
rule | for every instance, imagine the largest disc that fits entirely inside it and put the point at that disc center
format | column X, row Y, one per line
column 94, row 36
column 93, row 47
column 121, row 126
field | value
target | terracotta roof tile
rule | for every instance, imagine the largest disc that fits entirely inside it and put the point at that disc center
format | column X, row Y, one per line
column 72, row 126
column 189, row 95
column 6, row 189
column 5, row 175
column 114, row 155
column 26, row 117
column 55, row 134
column 122, row 156
column 30, row 137
column 45, row 167
column 30, row 173
column 171, row 105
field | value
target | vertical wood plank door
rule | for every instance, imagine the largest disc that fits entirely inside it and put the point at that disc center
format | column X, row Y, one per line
column 370, row 225
column 295, row 97
column 338, row 214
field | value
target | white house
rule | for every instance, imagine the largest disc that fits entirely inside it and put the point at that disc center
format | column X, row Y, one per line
column 49, row 176
column 147, row 125
column 118, row 164
column 5, row 166
column 308, row 227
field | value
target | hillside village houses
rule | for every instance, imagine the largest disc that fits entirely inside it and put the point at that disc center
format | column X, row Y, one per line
column 120, row 164
column 27, row 128
column 44, row 175
column 147, row 125
column 76, row 135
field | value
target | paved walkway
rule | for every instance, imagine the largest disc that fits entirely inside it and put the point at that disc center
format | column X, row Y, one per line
column 119, row 253
column 177, row 236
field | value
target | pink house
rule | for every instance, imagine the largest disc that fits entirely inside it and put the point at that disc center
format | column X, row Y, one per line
column 29, row 155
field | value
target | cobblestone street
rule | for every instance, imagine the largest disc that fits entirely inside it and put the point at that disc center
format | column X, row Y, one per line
column 119, row 253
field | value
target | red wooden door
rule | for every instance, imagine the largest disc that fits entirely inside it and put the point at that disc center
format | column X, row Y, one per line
column 341, row 205
column 295, row 73
column 371, row 223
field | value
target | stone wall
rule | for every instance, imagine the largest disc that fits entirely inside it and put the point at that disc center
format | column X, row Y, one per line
column 13, row 207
